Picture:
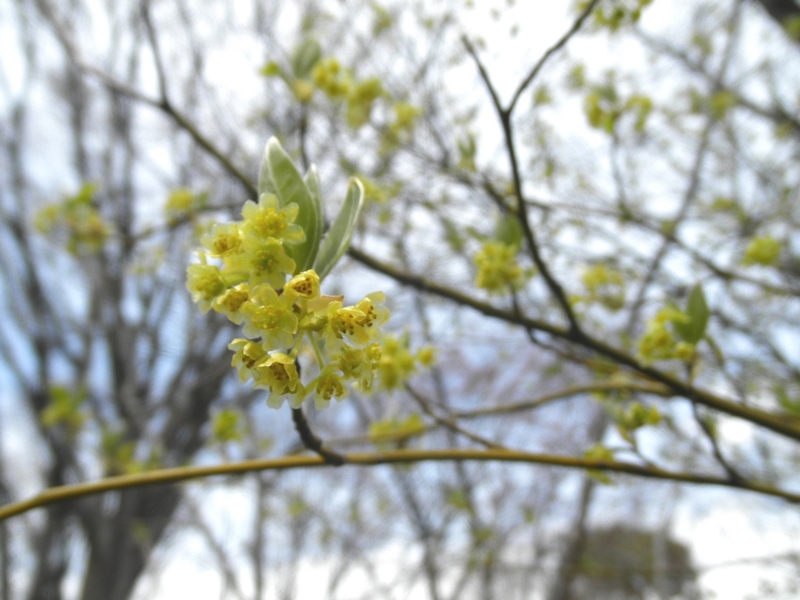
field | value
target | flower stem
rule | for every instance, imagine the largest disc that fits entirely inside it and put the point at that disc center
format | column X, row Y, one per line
column 317, row 351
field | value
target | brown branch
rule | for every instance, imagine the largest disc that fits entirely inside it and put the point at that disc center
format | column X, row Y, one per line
column 504, row 115
column 312, row 441
column 773, row 422
column 163, row 104
column 609, row 386
column 450, row 423
column 551, row 51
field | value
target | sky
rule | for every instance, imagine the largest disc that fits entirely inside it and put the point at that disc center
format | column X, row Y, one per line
column 719, row 526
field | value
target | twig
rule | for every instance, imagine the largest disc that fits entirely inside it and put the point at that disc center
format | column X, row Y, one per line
column 450, row 423
column 733, row 474
column 552, row 50
column 763, row 418
column 504, row 114
column 162, row 104
column 312, row 442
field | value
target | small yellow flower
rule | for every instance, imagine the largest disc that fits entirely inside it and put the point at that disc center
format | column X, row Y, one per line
column 427, row 356
column 498, row 269
column 340, row 321
column 604, row 285
column 278, row 374
column 303, row 90
column 329, row 385
column 231, row 301
column 267, row 220
column 396, row 362
column 657, row 343
column 246, row 355
column 303, row 285
column 375, row 315
column 685, row 351
column 223, row 240
column 358, row 323
column 762, row 251
column 205, row 283
column 405, row 116
column 599, row 275
column 266, row 315
column 180, row 201
column 328, row 77
column 359, row 364
column 670, row 313
column 264, row 260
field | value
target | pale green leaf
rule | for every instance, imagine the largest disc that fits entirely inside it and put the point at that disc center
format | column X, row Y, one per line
column 698, row 313
column 335, row 243
column 312, row 183
column 289, row 187
column 304, row 57
column 509, row 231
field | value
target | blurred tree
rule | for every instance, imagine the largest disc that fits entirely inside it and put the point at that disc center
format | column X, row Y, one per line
column 620, row 563
column 599, row 237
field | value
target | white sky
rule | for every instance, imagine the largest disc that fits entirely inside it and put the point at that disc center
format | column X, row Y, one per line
column 718, row 526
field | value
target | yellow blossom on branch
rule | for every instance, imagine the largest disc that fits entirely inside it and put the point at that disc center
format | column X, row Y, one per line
column 268, row 316
column 246, row 354
column 278, row 374
column 329, row 385
column 268, row 220
column 205, row 283
column 242, row 272
column 498, row 270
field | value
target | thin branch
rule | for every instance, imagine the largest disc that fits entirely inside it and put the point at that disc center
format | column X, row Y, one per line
column 522, row 214
column 693, row 187
column 162, row 476
column 156, row 49
column 706, row 427
column 162, row 104
column 773, row 422
column 312, row 441
column 688, row 199
column 552, row 50
column 450, row 423
column 611, row 386
column 217, row 549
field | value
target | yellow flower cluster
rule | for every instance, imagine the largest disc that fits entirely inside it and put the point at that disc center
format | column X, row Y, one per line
column 330, row 78
column 498, row 269
column 360, row 98
column 397, row 363
column 658, row 343
column 604, row 285
column 242, row 273
column 762, row 251
column 339, row 84
column 78, row 217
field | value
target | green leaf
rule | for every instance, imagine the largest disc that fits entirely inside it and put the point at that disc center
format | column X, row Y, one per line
column 698, row 313
column 509, row 231
column 271, row 69
column 341, row 231
column 312, row 183
column 790, row 405
column 304, row 57
column 289, row 187
column 265, row 185
column 226, row 426
column 84, row 196
column 458, row 500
